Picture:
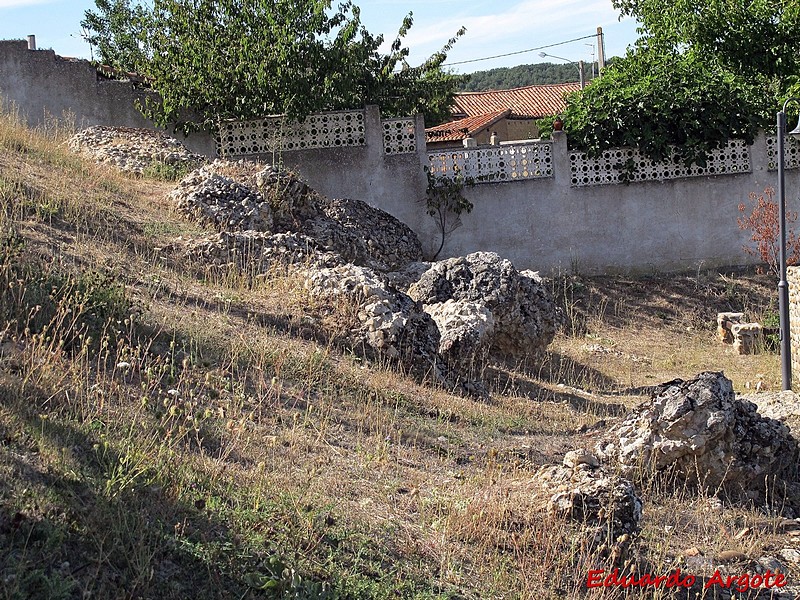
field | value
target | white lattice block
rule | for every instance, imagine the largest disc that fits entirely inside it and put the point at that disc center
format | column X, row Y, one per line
column 399, row 136
column 259, row 136
column 611, row 166
column 512, row 162
column 791, row 153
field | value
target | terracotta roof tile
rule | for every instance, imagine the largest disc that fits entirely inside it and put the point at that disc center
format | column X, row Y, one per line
column 532, row 102
column 457, row 130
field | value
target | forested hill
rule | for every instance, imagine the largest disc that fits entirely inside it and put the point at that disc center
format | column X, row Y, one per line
column 506, row 78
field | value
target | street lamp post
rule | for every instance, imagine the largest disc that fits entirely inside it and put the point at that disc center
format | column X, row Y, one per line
column 783, row 286
column 579, row 64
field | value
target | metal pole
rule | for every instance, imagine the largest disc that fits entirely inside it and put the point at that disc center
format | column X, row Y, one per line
column 783, row 286
column 582, row 74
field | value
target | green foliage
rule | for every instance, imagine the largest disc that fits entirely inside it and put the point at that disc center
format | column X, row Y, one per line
column 218, row 59
column 545, row 127
column 167, row 172
column 749, row 38
column 702, row 73
column 41, row 299
column 657, row 102
column 445, row 200
column 279, row 580
column 390, row 82
column 116, row 29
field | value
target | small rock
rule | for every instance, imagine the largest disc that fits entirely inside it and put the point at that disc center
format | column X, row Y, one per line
column 581, row 456
column 728, row 556
column 790, row 555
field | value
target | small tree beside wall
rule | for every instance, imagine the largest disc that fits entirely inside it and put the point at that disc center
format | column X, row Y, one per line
column 445, row 202
column 762, row 219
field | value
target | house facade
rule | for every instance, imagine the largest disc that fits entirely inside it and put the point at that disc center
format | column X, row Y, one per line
column 509, row 114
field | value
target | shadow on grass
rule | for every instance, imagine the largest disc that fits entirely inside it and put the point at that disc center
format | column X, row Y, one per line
column 92, row 521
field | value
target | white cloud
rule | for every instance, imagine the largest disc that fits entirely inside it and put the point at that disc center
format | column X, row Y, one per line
column 521, row 25
column 529, row 17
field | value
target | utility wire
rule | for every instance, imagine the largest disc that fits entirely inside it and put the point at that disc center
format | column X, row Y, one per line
column 463, row 62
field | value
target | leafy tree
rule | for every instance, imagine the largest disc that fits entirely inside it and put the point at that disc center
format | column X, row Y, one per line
column 218, row 59
column 702, row 72
column 653, row 101
column 116, row 30
column 758, row 37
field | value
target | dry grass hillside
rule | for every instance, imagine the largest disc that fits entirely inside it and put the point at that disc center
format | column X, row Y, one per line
column 170, row 434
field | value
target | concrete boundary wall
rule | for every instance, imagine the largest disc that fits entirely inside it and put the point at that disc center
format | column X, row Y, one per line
column 545, row 224
column 678, row 224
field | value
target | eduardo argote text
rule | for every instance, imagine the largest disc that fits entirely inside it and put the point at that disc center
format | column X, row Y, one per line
column 741, row 583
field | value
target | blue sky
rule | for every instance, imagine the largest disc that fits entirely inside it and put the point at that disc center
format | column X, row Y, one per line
column 493, row 28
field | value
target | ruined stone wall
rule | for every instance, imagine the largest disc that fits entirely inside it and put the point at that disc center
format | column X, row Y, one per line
column 44, row 86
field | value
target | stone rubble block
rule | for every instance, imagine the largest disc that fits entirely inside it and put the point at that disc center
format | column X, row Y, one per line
column 466, row 330
column 522, row 306
column 257, row 252
column 748, row 338
column 220, row 201
column 726, row 320
column 131, row 149
column 698, row 433
column 389, row 324
column 593, row 496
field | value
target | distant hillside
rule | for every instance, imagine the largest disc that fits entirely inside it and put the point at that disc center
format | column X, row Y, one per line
column 511, row 77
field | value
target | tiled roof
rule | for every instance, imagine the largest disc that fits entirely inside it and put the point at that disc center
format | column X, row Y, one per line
column 532, row 102
column 455, row 131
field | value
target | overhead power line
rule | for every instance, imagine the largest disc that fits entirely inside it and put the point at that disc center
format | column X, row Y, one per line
column 463, row 62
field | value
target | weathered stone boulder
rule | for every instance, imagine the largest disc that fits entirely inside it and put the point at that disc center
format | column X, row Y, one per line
column 410, row 274
column 360, row 233
column 783, row 406
column 584, row 492
column 389, row 323
column 698, row 432
column 522, row 306
column 132, row 150
column 466, row 330
column 222, row 202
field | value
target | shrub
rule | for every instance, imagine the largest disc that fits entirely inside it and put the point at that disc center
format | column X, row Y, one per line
column 763, row 221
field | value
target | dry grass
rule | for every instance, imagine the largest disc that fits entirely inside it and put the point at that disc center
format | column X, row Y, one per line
column 169, row 435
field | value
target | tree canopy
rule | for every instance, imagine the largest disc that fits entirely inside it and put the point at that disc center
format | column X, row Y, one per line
column 116, row 32
column 218, row 59
column 702, row 72
column 754, row 37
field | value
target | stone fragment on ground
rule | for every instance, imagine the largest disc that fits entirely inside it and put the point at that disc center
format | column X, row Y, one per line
column 522, row 306
column 388, row 323
column 131, row 149
column 360, row 233
column 232, row 197
column 466, row 330
column 782, row 405
column 699, row 433
column 605, row 504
